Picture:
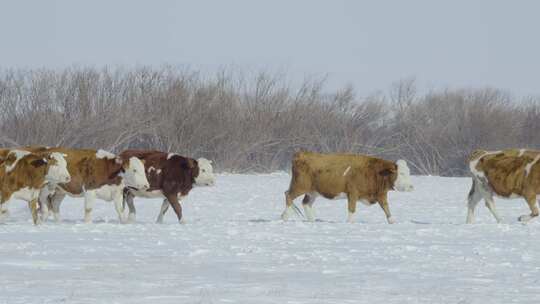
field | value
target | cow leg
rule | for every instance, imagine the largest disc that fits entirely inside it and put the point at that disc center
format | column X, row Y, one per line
column 307, row 203
column 383, row 202
column 128, row 199
column 173, row 200
column 118, row 206
column 55, row 200
column 531, row 201
column 289, row 198
column 164, row 208
column 351, row 207
column 34, row 208
column 490, row 204
column 43, row 204
column 4, row 211
column 475, row 195
column 89, row 200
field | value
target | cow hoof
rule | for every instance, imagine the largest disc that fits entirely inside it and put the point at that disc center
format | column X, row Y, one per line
column 285, row 216
column 391, row 220
column 4, row 213
column 131, row 218
column 524, row 218
column 183, row 221
column 310, row 218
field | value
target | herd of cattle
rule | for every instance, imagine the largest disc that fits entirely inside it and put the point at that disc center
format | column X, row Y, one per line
column 43, row 176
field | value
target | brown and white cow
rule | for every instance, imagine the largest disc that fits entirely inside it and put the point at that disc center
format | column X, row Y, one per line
column 23, row 174
column 351, row 176
column 94, row 174
column 171, row 177
column 507, row 173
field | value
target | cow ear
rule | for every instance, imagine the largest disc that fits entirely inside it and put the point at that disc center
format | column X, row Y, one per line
column 124, row 164
column 191, row 163
column 116, row 173
column 39, row 162
column 386, row 172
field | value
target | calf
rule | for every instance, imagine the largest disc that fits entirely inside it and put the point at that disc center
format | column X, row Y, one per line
column 171, row 177
column 508, row 173
column 23, row 174
column 355, row 177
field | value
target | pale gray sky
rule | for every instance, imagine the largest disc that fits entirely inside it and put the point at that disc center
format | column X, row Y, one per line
column 369, row 44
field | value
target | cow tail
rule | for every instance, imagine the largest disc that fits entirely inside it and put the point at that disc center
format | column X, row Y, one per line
column 473, row 188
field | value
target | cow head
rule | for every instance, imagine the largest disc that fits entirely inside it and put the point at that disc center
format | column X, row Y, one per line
column 57, row 171
column 403, row 179
column 134, row 174
column 206, row 175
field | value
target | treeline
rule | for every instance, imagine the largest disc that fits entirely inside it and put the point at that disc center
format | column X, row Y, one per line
column 255, row 123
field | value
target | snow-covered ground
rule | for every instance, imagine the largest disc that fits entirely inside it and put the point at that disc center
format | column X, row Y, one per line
column 234, row 249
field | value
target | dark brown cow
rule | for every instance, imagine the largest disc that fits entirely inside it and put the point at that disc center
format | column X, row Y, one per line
column 351, row 176
column 171, row 177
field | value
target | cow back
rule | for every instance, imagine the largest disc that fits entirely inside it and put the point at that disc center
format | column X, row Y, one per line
column 332, row 174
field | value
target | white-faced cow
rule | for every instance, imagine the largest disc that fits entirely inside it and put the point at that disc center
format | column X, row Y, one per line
column 508, row 173
column 23, row 174
column 355, row 177
column 171, row 177
column 94, row 174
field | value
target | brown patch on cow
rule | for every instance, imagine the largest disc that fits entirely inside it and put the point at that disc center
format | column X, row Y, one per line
column 176, row 175
column 38, row 163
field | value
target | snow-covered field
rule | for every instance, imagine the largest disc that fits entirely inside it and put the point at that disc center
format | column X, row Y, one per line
column 234, row 249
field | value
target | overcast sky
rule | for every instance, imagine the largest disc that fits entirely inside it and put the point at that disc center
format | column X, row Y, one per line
column 368, row 44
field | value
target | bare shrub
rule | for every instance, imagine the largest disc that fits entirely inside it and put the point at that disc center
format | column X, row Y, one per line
column 256, row 123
